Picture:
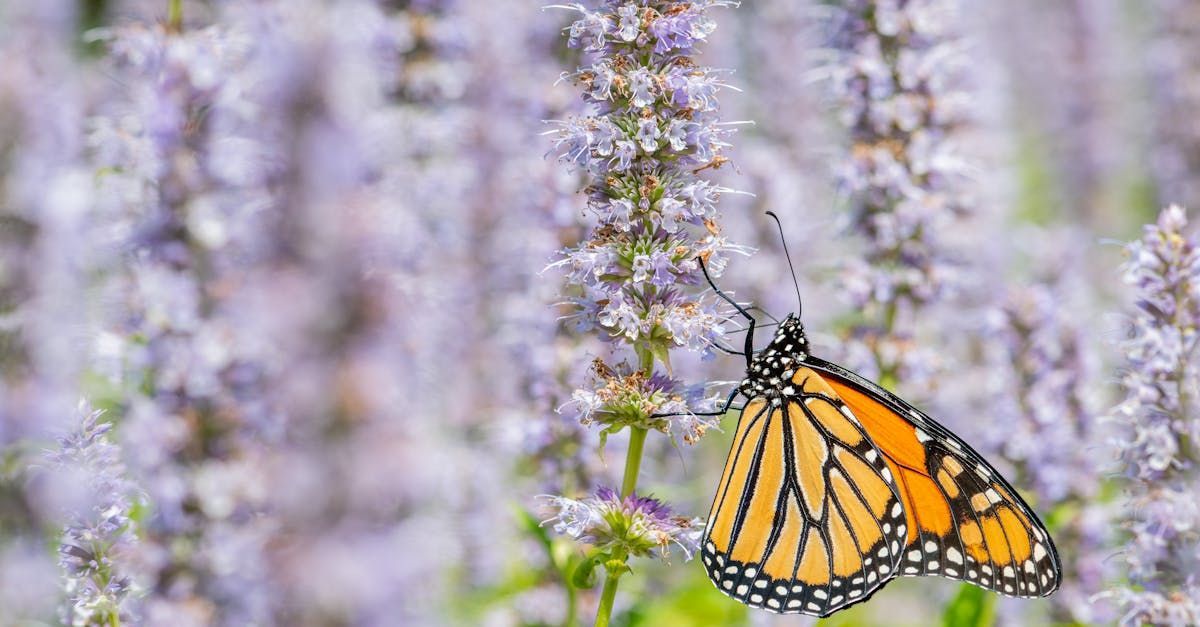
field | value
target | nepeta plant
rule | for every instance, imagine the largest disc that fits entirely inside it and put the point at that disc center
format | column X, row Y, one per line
column 897, row 84
column 47, row 259
column 99, row 535
column 1042, row 380
column 1175, row 90
column 1160, row 425
column 636, row 279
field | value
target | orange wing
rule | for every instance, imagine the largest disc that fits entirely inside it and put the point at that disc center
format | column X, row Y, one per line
column 806, row 517
column 964, row 521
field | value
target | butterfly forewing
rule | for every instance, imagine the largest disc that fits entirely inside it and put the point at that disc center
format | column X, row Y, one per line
column 806, row 517
column 964, row 521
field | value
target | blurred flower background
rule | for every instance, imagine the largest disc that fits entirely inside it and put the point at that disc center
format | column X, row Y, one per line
column 361, row 312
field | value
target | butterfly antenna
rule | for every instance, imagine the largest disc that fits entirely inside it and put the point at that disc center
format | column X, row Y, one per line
column 795, row 282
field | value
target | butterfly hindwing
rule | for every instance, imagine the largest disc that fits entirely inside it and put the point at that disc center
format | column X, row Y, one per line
column 807, row 517
column 965, row 521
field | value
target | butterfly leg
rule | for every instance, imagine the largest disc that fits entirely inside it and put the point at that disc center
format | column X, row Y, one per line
column 749, row 350
column 766, row 313
column 727, row 351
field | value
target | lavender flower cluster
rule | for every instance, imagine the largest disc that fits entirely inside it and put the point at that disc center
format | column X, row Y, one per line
column 99, row 537
column 898, row 87
column 651, row 132
column 1159, row 424
column 654, row 130
column 1043, row 375
column 634, row 525
column 1170, row 62
column 292, row 250
column 897, row 83
column 271, row 216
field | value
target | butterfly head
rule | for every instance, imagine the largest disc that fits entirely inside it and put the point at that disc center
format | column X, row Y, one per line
column 771, row 370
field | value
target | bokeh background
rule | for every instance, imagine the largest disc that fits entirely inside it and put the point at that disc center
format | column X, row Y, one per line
column 281, row 339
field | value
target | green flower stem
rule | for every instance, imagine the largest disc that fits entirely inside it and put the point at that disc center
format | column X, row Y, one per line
column 888, row 378
column 633, row 463
column 633, row 460
column 572, row 605
column 175, row 15
column 606, row 599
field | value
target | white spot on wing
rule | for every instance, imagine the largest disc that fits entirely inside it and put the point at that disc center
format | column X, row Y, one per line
column 1039, row 551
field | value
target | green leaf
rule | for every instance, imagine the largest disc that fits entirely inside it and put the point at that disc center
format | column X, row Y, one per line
column 662, row 351
column 584, row 575
column 971, row 607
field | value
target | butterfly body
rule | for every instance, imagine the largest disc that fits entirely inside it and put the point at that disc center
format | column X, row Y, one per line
column 833, row 487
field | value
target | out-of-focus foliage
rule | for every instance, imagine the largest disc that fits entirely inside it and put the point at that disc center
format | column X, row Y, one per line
column 298, row 260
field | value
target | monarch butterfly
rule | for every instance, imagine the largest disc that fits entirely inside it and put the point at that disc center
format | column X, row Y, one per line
column 834, row 486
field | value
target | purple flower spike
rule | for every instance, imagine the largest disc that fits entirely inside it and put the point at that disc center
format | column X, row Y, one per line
column 896, row 80
column 100, row 533
column 1160, row 425
column 652, row 135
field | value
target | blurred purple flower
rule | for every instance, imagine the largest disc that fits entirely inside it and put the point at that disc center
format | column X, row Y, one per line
column 1042, row 381
column 1175, row 91
column 898, row 84
column 48, row 256
column 1157, row 422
